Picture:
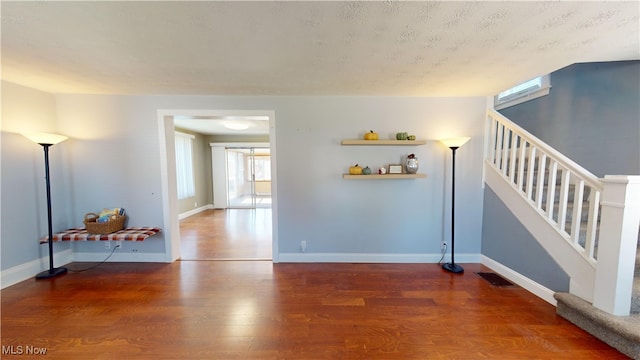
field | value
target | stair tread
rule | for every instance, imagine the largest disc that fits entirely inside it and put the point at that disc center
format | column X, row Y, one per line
column 620, row 332
column 629, row 324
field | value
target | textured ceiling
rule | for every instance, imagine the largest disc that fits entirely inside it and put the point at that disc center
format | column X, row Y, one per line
column 306, row 48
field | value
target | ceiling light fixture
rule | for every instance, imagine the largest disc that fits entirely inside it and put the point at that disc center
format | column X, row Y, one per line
column 235, row 126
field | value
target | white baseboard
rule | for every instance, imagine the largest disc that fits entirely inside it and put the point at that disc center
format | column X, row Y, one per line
column 371, row 258
column 533, row 287
column 29, row 269
column 194, row 211
column 120, row 257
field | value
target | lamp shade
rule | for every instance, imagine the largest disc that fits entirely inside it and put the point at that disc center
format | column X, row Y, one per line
column 45, row 138
column 455, row 142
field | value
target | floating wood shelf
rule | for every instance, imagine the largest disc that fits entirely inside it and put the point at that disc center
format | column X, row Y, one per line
column 384, row 142
column 383, row 177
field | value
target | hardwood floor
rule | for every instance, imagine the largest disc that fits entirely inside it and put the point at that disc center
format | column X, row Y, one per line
column 260, row 310
column 227, row 235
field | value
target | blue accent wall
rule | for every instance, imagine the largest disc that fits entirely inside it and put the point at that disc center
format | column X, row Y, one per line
column 505, row 240
column 592, row 115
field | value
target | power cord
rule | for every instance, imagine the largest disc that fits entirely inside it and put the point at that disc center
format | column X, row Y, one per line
column 444, row 250
column 98, row 264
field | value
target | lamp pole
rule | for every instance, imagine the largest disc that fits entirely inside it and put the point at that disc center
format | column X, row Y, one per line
column 453, row 144
column 52, row 272
column 452, row 266
column 46, row 140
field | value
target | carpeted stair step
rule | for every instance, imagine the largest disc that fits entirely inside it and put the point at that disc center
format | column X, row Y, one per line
column 620, row 332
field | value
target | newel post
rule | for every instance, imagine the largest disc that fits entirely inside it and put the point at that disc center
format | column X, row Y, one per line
column 618, row 241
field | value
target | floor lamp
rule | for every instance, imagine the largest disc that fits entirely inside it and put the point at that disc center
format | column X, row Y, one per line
column 48, row 140
column 453, row 144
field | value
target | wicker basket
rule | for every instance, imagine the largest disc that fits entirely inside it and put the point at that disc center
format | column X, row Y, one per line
column 93, row 227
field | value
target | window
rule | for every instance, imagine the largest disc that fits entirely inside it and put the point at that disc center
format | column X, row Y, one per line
column 184, row 165
column 263, row 168
column 526, row 91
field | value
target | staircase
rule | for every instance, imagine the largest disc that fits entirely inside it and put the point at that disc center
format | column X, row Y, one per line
column 621, row 332
column 589, row 226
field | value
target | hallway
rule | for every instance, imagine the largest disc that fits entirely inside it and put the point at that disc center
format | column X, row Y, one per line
column 232, row 234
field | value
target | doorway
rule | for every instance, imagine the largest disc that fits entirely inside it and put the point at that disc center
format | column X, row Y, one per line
column 168, row 170
column 248, row 177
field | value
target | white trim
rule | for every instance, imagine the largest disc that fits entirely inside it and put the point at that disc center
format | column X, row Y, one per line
column 533, row 287
column 29, row 269
column 169, row 203
column 372, row 258
column 192, row 212
column 622, row 179
column 612, row 204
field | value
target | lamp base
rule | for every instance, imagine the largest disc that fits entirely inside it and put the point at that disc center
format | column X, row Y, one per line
column 47, row 274
column 454, row 268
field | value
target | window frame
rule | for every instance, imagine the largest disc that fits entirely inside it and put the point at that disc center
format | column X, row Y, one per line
column 540, row 86
column 185, row 176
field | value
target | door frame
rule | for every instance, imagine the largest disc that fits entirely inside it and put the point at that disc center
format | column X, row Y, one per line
column 168, row 174
column 219, row 182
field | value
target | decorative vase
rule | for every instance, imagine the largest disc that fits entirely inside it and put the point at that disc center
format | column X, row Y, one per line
column 411, row 165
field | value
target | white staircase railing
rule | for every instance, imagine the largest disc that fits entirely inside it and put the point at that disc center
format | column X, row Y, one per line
column 557, row 187
column 572, row 201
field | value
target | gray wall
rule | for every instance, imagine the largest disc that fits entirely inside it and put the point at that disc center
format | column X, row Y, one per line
column 114, row 160
column 505, row 240
column 590, row 115
column 23, row 197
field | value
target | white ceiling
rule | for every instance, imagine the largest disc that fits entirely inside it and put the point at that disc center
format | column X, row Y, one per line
column 306, row 48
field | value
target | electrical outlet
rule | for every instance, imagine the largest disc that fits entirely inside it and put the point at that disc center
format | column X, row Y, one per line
column 444, row 245
column 107, row 245
column 303, row 245
column 119, row 244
